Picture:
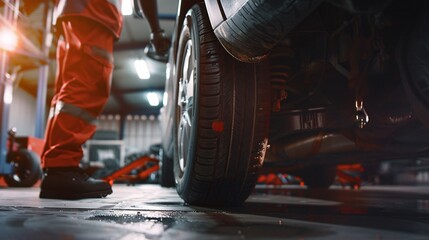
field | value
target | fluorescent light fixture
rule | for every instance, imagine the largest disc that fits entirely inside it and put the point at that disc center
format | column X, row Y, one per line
column 126, row 7
column 142, row 69
column 8, row 39
column 165, row 99
column 152, row 98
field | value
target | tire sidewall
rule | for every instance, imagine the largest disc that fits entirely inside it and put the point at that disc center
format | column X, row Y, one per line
column 189, row 31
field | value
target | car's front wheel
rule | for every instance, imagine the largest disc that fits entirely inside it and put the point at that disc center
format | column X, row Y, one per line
column 222, row 118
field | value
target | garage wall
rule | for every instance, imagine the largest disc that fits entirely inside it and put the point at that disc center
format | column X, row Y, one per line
column 140, row 131
column 23, row 113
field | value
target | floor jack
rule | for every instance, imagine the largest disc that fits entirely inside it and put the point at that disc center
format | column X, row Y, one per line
column 138, row 170
column 350, row 175
column 23, row 158
column 347, row 175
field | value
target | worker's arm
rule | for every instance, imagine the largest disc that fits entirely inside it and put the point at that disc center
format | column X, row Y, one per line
column 158, row 39
column 150, row 11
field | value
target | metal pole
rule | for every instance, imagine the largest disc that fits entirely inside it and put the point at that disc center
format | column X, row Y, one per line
column 122, row 122
column 11, row 14
column 43, row 73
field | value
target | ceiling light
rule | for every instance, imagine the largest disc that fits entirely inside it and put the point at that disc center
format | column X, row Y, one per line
column 126, row 7
column 152, row 98
column 142, row 69
column 8, row 39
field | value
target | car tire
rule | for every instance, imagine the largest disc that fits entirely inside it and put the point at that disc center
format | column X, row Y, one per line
column 258, row 26
column 222, row 118
column 26, row 169
column 166, row 174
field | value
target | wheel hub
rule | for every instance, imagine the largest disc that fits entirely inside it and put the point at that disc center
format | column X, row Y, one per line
column 186, row 105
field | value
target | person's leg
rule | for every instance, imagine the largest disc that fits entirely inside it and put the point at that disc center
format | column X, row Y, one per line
column 85, row 84
column 85, row 87
column 60, row 56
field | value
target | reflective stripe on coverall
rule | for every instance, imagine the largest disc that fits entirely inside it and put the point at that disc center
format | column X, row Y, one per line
column 84, row 69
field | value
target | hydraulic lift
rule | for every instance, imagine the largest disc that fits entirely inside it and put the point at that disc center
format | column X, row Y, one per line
column 18, row 165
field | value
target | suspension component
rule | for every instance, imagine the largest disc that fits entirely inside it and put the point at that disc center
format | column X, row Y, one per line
column 361, row 116
column 281, row 60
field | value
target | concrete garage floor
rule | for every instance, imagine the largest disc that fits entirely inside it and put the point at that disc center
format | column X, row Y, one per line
column 150, row 212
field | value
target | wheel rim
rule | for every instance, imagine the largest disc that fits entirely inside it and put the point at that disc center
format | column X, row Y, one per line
column 20, row 173
column 185, row 104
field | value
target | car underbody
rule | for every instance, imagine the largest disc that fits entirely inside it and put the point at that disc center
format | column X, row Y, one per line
column 341, row 82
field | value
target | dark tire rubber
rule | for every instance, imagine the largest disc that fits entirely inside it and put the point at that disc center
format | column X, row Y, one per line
column 222, row 118
column 166, row 174
column 258, row 26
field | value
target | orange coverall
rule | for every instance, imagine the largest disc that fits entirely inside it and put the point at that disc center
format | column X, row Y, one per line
column 83, row 79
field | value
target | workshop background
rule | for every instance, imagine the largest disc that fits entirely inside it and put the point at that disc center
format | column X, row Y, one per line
column 129, row 119
column 129, row 125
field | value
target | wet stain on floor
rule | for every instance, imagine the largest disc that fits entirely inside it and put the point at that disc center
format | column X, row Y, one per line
column 212, row 224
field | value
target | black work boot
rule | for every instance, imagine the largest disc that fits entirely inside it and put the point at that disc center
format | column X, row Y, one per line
column 72, row 183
